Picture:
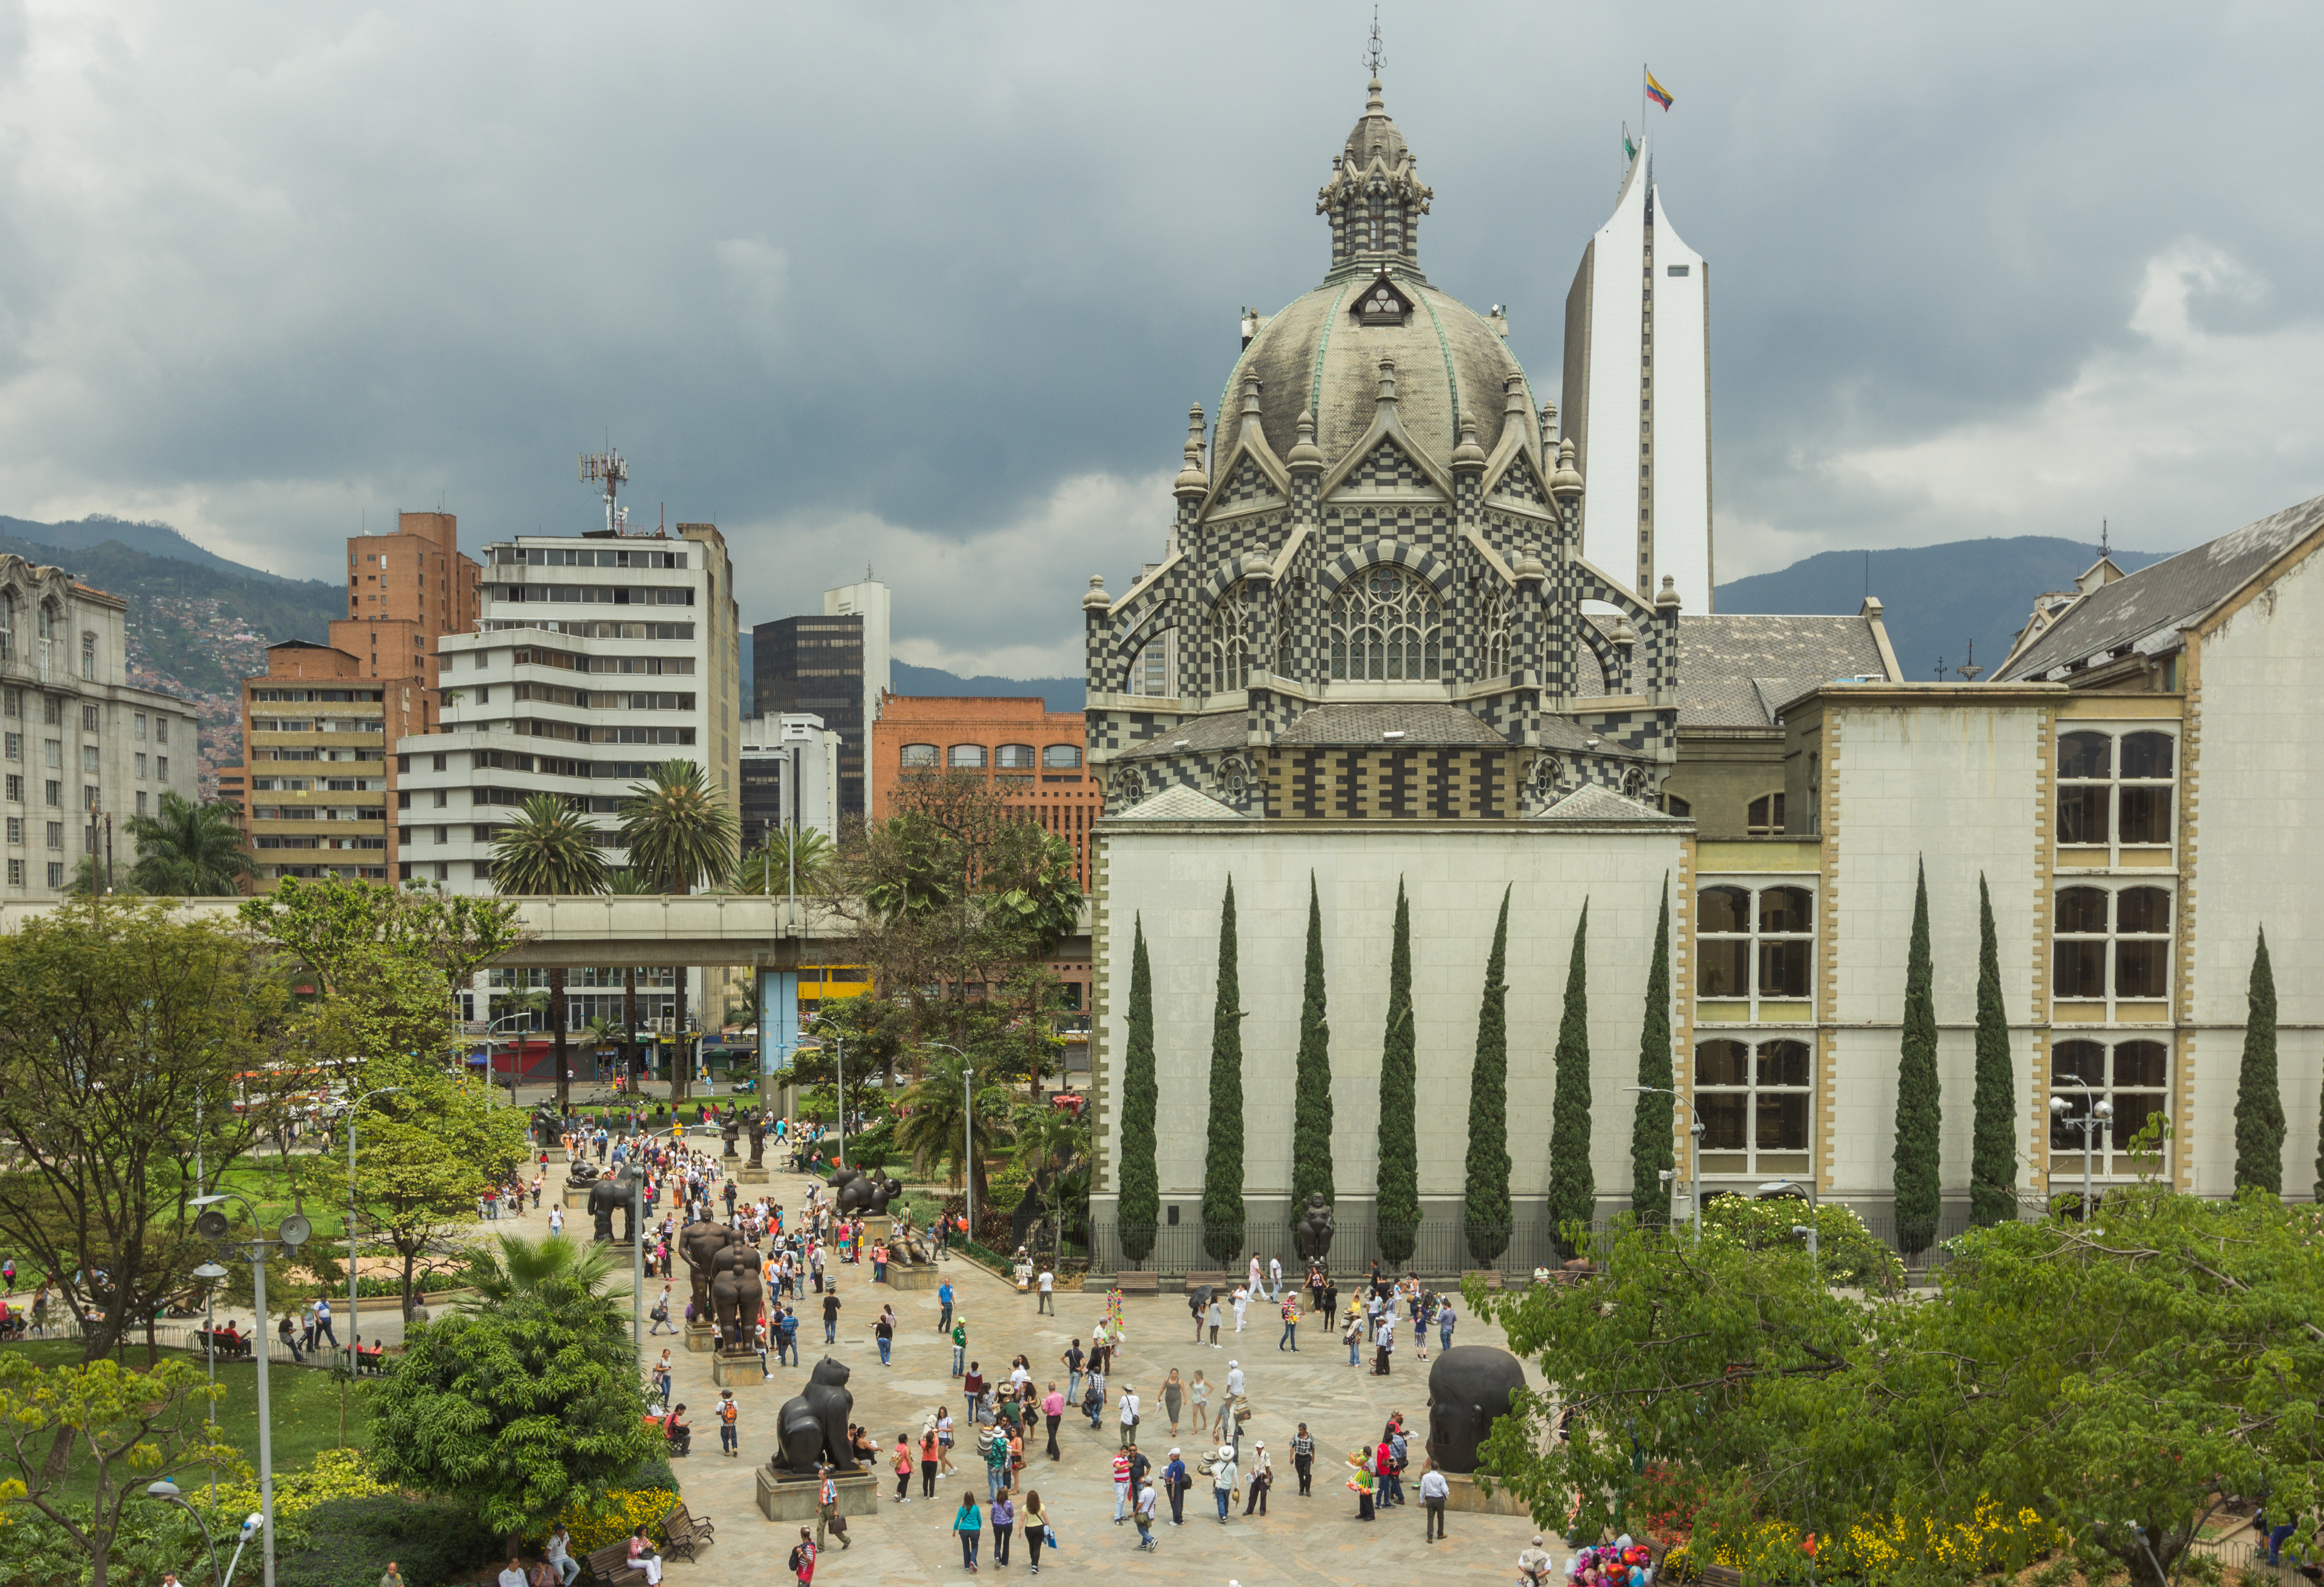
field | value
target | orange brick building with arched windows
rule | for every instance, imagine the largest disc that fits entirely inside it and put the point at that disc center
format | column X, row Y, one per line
column 1032, row 755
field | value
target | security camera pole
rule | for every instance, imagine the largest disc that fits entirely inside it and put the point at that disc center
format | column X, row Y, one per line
column 214, row 1224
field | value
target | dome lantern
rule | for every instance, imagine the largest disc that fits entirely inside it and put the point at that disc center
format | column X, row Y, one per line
column 1375, row 199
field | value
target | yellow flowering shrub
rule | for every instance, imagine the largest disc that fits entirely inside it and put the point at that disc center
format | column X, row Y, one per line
column 1876, row 1550
column 335, row 1473
column 621, row 1511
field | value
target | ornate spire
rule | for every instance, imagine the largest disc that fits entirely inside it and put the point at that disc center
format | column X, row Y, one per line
column 1191, row 478
column 1375, row 199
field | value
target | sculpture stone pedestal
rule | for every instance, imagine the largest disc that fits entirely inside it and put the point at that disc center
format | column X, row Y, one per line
column 793, row 1499
column 701, row 1338
column 576, row 1197
column 737, row 1371
column 921, row 1277
column 747, row 1175
column 876, row 1227
column 1467, row 1496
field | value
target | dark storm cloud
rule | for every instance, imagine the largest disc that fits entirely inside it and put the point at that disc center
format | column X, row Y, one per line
column 932, row 287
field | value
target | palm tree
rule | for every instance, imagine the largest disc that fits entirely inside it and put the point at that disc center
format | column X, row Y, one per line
column 767, row 869
column 547, row 850
column 627, row 884
column 189, row 850
column 556, row 1268
column 680, row 832
column 929, row 1126
column 1053, row 1141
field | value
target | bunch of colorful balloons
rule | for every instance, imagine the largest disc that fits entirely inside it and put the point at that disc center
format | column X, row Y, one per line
column 1619, row 1564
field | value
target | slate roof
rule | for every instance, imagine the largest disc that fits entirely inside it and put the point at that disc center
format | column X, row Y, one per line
column 1180, row 804
column 1738, row 669
column 2143, row 612
column 1591, row 802
column 1420, row 722
column 1225, row 731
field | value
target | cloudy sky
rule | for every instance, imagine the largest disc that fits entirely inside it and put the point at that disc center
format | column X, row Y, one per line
column 930, row 286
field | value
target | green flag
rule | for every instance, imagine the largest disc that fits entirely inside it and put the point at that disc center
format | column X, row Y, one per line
column 1629, row 144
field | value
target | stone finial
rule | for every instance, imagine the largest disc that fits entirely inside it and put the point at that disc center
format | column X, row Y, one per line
column 1513, row 397
column 1468, row 454
column 1567, row 481
column 1191, row 478
column 1387, row 381
column 1250, row 390
column 1256, row 565
column 1528, row 565
column 1304, row 452
column 1097, row 600
column 1373, row 101
column 1624, row 635
column 1668, row 599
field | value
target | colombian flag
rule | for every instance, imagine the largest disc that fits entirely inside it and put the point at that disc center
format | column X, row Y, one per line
column 1656, row 92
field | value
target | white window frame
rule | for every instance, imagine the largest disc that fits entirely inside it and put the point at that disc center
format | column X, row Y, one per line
column 1760, row 1053
column 2108, row 1159
column 2147, row 855
column 2068, row 1006
column 1751, row 998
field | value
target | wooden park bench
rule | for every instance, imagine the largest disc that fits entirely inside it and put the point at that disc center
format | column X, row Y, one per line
column 1224, row 1283
column 228, row 1347
column 611, row 1565
column 1137, row 1282
column 682, row 1534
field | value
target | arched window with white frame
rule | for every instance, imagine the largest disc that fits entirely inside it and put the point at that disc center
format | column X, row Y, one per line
column 1387, row 627
column 1235, row 648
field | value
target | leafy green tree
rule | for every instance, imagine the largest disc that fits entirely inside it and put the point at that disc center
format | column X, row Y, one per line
column 549, row 849
column 769, row 869
column 122, row 1023
column 932, row 1113
column 2259, row 1093
column 1311, row 1112
column 590, row 1277
column 1919, row 1113
column 424, row 1156
column 1572, row 1183
column 1222, row 1211
column 681, row 832
column 1053, row 1148
column 1485, row 1199
column 188, row 850
column 122, row 1429
column 1395, row 1192
column 1141, row 1185
column 1992, row 1151
column 1652, row 1160
column 519, row 1408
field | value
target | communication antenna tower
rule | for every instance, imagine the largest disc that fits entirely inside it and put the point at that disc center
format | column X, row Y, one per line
column 608, row 469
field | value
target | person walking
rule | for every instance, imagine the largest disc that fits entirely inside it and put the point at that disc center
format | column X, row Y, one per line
column 286, row 1332
column 1242, row 1298
column 1053, row 1411
column 903, row 1469
column 995, row 1447
column 661, row 1376
column 1251, row 1279
column 1035, row 1522
column 831, row 1316
column 1222, row 1479
column 1352, row 1336
column 929, row 1453
column 1383, row 1345
column 944, row 1314
column 1274, row 1278
column 729, row 1438
column 884, row 1331
column 1174, row 1396
column 1004, row 1526
column 826, row 1508
column 1175, row 1482
column 1262, row 1479
column 1302, row 1461
column 1433, row 1491
column 1073, row 1358
column 1290, row 1339
column 1217, row 1319
column 944, row 1438
column 1145, row 1517
column 802, row 1559
column 1202, row 1391
column 1047, row 1284
column 1445, row 1321
column 659, row 1316
column 968, row 1521
column 1129, row 1416
column 959, row 1344
column 1196, row 1299
column 972, row 1388
column 323, row 1320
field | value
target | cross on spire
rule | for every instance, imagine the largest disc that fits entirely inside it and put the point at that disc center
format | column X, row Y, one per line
column 1374, row 56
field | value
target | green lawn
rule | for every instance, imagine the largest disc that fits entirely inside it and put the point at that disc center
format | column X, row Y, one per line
column 305, row 1403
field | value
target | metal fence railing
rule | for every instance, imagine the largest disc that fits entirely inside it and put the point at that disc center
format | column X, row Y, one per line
column 1440, row 1246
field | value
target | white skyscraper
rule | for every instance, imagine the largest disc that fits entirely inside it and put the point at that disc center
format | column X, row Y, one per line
column 868, row 600
column 1638, row 392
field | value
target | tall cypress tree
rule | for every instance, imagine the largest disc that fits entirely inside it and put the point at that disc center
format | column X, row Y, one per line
column 1486, row 1197
column 1993, row 1152
column 1573, row 1187
column 1311, row 1107
column 1396, row 1187
column 1223, row 1162
column 2259, row 1097
column 1141, row 1185
column 1920, row 1110
column 1650, row 1126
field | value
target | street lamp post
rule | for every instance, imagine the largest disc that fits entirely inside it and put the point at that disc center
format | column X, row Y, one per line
column 2098, row 1113
column 355, row 1312
column 1695, row 1152
column 167, row 1492
column 839, row 1064
column 214, row 1224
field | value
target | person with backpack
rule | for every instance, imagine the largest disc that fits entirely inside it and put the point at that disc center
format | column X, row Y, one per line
column 729, row 1438
column 659, row 1316
column 802, row 1561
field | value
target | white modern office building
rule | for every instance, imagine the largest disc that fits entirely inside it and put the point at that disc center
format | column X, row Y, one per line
column 868, row 601
column 1637, row 397
column 790, row 777
column 594, row 659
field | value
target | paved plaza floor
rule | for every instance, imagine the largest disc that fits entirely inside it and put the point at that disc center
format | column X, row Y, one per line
column 1304, row 1540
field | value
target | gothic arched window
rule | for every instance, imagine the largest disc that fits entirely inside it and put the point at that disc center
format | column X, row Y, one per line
column 1235, row 646
column 1386, row 626
column 1497, row 632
